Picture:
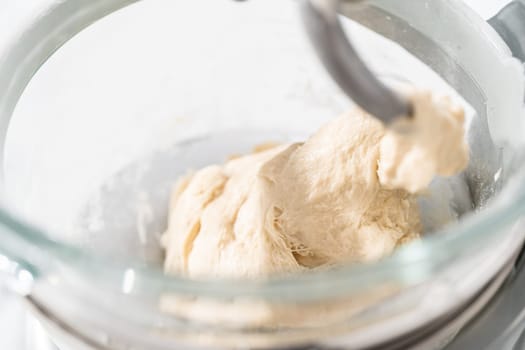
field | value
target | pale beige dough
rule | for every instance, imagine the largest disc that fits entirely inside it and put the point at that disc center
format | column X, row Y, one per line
column 343, row 196
column 431, row 143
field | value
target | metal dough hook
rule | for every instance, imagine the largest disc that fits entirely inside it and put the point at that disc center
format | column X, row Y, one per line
column 326, row 33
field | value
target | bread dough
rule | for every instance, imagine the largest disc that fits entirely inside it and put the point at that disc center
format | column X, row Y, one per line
column 346, row 195
column 431, row 143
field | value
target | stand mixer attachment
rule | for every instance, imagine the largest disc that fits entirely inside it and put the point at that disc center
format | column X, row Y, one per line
column 341, row 60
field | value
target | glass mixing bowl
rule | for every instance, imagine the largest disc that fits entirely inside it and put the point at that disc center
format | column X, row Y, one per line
column 97, row 126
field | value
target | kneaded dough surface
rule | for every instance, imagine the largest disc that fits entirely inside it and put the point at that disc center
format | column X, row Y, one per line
column 431, row 143
column 345, row 195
